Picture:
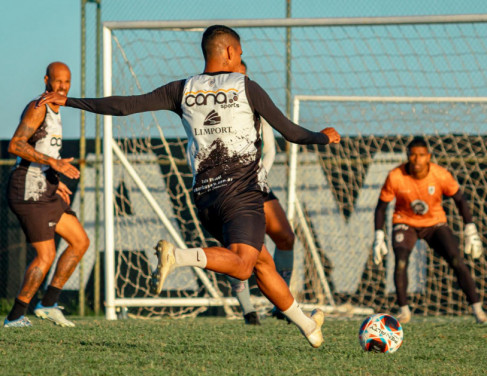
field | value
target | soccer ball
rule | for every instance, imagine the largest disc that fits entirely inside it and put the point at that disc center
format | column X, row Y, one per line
column 380, row 333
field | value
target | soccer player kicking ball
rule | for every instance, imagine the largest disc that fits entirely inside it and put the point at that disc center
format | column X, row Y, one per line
column 219, row 110
column 418, row 187
column 41, row 202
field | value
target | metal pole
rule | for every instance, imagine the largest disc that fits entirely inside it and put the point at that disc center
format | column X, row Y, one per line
column 108, row 181
column 288, row 61
column 97, row 274
column 82, row 154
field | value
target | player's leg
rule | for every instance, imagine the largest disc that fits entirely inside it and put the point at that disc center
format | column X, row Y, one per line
column 276, row 290
column 34, row 275
column 403, row 240
column 70, row 229
column 281, row 233
column 445, row 244
column 241, row 291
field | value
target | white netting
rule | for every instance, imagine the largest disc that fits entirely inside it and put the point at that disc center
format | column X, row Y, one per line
column 434, row 60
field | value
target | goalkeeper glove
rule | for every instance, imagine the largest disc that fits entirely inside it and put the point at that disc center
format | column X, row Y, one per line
column 379, row 247
column 473, row 243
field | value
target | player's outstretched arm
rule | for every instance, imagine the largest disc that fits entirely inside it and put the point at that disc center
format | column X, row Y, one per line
column 167, row 97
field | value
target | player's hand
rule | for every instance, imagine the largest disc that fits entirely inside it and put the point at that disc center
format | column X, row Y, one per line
column 64, row 192
column 379, row 247
column 332, row 134
column 51, row 97
column 65, row 167
column 473, row 243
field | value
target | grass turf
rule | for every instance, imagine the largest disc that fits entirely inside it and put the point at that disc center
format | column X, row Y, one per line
column 432, row 346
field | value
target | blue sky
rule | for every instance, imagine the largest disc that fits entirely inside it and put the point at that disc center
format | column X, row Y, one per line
column 36, row 32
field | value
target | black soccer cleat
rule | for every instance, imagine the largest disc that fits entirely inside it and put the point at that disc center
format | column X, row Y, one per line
column 252, row 318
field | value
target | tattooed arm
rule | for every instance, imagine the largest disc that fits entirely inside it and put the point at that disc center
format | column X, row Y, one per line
column 19, row 145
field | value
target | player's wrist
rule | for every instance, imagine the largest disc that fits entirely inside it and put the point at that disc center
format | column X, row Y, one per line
column 470, row 229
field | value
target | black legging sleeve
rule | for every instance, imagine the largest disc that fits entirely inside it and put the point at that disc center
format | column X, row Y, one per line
column 380, row 215
column 263, row 105
column 167, row 97
column 462, row 206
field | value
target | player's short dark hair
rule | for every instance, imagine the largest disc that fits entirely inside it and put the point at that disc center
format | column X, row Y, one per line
column 417, row 141
column 213, row 32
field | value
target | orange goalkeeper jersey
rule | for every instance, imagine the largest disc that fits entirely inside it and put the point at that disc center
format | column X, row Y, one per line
column 418, row 201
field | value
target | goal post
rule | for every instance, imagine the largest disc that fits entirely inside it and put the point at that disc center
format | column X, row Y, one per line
column 452, row 126
column 373, row 67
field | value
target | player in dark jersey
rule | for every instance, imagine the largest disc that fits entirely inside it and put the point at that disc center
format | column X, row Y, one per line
column 41, row 202
column 219, row 110
column 418, row 187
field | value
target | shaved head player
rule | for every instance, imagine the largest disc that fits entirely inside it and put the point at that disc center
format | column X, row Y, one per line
column 41, row 202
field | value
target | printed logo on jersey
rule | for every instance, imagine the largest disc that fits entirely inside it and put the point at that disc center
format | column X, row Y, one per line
column 56, row 141
column 225, row 98
column 419, row 207
column 400, row 226
column 431, row 189
column 212, row 118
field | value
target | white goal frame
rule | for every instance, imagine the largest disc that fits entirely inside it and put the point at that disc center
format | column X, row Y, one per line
column 110, row 148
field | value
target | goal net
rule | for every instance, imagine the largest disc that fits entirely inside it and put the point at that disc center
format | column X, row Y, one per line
column 147, row 187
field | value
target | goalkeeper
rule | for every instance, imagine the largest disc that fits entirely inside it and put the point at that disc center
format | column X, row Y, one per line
column 219, row 110
column 418, row 187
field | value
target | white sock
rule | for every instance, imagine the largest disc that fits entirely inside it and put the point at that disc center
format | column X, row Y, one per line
column 477, row 308
column 404, row 310
column 297, row 316
column 190, row 257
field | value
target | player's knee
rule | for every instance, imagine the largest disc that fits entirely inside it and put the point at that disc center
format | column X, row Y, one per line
column 244, row 273
column 46, row 258
column 401, row 265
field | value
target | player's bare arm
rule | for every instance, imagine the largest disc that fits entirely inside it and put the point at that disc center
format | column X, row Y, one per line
column 20, row 146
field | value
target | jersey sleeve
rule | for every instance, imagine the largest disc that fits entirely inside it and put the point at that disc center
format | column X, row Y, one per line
column 167, row 97
column 265, row 107
column 388, row 191
column 448, row 183
column 269, row 148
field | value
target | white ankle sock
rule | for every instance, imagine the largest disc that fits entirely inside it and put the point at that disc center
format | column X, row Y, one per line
column 477, row 308
column 404, row 310
column 297, row 316
column 190, row 257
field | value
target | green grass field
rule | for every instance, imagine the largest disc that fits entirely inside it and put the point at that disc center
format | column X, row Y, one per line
column 216, row 346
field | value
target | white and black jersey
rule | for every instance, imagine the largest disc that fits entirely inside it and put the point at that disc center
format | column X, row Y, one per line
column 38, row 181
column 32, row 186
column 223, row 136
column 221, row 114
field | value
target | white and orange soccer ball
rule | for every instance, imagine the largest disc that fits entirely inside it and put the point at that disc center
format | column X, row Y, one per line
column 381, row 333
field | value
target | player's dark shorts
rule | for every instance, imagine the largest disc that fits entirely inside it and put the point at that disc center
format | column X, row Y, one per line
column 237, row 218
column 439, row 237
column 37, row 218
column 270, row 196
